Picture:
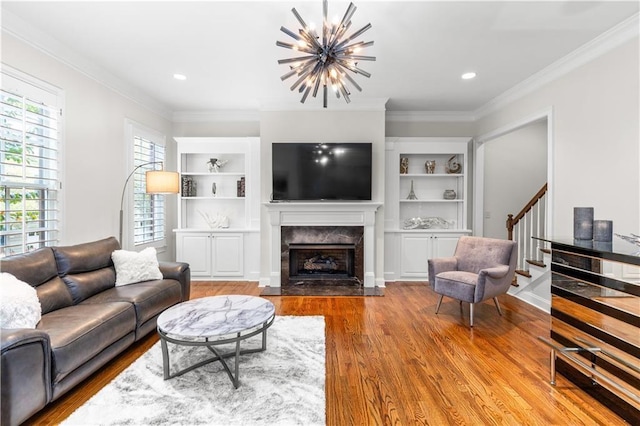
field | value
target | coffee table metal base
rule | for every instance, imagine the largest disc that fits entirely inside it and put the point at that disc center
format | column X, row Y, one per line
column 210, row 344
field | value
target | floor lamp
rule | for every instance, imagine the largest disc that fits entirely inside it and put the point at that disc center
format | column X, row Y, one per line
column 157, row 182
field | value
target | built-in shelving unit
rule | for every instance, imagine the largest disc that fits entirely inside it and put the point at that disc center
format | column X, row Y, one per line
column 229, row 248
column 414, row 193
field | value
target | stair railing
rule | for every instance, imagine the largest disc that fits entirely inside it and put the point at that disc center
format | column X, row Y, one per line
column 529, row 222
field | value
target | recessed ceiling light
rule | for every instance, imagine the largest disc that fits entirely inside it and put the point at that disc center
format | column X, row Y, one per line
column 468, row 75
column 180, row 77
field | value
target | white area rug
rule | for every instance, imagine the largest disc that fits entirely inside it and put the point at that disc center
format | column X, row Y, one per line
column 284, row 385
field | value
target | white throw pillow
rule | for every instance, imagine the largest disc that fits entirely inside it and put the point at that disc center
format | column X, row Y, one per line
column 19, row 304
column 134, row 267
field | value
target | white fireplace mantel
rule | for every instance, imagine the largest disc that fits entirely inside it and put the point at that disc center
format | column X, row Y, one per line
column 323, row 214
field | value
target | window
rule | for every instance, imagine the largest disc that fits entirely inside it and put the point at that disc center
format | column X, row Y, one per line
column 29, row 168
column 148, row 209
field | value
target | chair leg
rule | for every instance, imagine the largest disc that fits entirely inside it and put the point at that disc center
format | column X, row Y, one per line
column 470, row 314
column 439, row 302
column 495, row 300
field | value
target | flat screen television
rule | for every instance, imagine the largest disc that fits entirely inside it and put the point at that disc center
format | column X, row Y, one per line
column 321, row 171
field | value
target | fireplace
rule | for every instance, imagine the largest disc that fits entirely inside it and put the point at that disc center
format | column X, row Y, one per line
column 284, row 218
column 322, row 254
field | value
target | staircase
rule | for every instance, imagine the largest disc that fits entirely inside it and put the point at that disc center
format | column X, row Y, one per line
column 533, row 271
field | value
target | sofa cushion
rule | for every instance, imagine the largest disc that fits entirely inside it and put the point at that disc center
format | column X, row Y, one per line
column 19, row 305
column 150, row 298
column 84, row 285
column 134, row 267
column 87, row 268
column 38, row 269
column 78, row 333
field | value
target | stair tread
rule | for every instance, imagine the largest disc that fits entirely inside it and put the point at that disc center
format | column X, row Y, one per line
column 545, row 250
column 536, row 263
column 523, row 273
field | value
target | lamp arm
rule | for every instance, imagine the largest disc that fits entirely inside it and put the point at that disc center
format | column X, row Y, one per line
column 124, row 189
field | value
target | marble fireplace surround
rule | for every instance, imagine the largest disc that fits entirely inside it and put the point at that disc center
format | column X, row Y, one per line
column 322, row 214
column 342, row 238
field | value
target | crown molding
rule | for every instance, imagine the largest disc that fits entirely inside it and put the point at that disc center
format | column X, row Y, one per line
column 357, row 104
column 32, row 36
column 430, row 116
column 605, row 42
column 215, row 116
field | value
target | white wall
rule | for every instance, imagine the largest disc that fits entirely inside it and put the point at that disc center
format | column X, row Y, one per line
column 94, row 150
column 323, row 126
column 596, row 138
column 515, row 168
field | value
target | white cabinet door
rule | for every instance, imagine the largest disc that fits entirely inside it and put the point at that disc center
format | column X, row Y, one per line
column 415, row 249
column 444, row 246
column 228, row 253
column 195, row 249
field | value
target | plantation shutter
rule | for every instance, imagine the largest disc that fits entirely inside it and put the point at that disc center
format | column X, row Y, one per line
column 29, row 167
column 149, row 209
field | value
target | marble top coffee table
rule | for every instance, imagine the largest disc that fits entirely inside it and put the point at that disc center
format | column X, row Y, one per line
column 214, row 321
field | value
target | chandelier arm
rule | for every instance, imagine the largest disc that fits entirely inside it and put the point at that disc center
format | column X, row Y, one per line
column 353, row 68
column 300, row 80
column 306, row 93
column 356, row 57
column 289, row 74
column 341, row 32
column 316, row 86
column 298, row 59
column 296, row 70
column 325, row 12
column 354, row 35
column 308, row 65
column 348, row 14
column 358, row 45
column 286, row 45
column 290, row 33
column 299, row 18
column 345, row 94
column 310, row 38
column 324, row 97
column 353, row 82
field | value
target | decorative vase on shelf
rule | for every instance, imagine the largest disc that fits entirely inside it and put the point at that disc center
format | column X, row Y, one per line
column 583, row 223
column 214, row 189
column 449, row 194
column 412, row 195
column 430, row 166
column 453, row 166
column 404, row 165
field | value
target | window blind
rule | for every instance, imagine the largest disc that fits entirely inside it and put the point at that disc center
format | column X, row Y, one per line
column 29, row 175
column 149, row 209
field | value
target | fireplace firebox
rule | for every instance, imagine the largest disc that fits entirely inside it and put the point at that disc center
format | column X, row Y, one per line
column 321, row 261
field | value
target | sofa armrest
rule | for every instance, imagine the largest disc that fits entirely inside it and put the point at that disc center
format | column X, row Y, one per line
column 179, row 271
column 441, row 264
column 25, row 374
column 495, row 272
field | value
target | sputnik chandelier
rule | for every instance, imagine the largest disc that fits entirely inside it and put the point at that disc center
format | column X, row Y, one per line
column 331, row 56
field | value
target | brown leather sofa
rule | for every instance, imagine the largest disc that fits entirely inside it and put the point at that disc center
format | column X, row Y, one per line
column 86, row 321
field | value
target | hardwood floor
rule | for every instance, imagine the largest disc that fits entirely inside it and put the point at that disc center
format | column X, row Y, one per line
column 391, row 360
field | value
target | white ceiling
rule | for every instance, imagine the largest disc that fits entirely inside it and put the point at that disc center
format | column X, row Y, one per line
column 228, row 49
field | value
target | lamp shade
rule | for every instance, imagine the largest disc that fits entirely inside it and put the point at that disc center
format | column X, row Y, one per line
column 162, row 182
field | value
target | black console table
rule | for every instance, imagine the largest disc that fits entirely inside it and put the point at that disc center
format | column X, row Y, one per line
column 595, row 321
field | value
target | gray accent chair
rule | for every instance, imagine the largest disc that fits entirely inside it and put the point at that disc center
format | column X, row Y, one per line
column 480, row 269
